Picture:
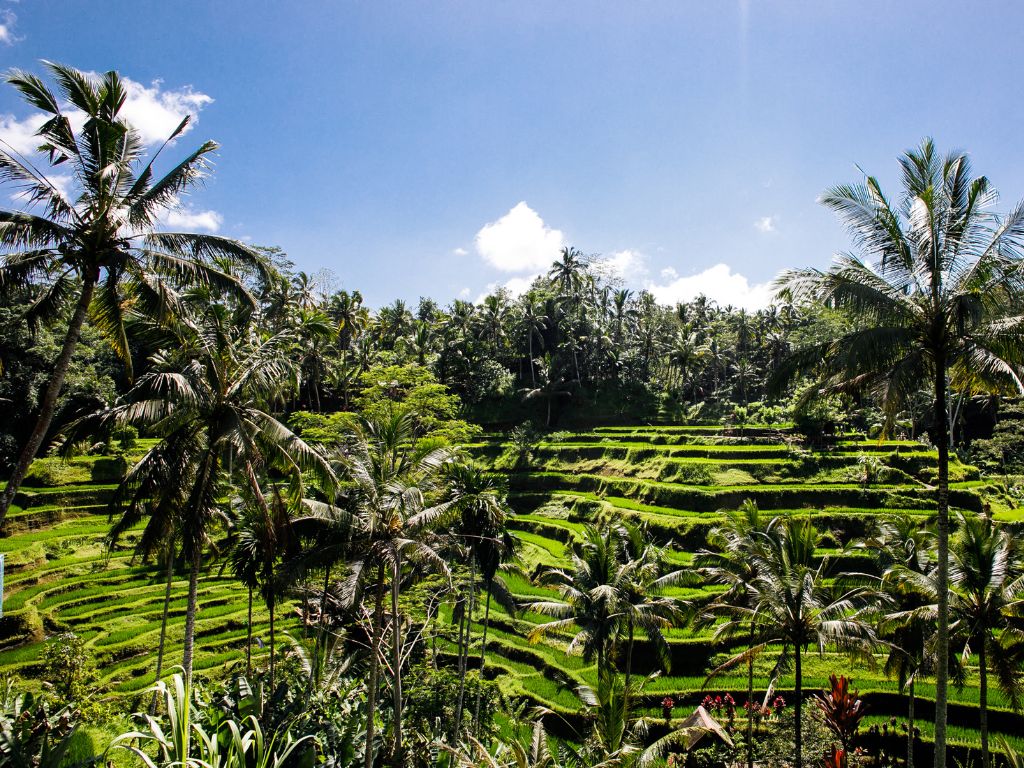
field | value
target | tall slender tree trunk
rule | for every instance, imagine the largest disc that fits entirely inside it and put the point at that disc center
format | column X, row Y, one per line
column 271, row 604
column 910, row 726
column 483, row 656
column 629, row 666
column 750, row 699
column 396, row 657
column 163, row 624
column 248, row 640
column 942, row 632
column 798, row 712
column 983, row 703
column 533, row 374
column 49, row 402
column 371, row 696
column 321, row 635
column 464, row 660
column 190, row 618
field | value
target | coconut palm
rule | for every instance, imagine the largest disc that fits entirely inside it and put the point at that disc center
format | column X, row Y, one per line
column 392, row 481
column 591, row 597
column 99, row 245
column 646, row 609
column 479, row 500
column 263, row 536
column 730, row 562
column 794, row 608
column 935, row 296
column 206, row 399
column 898, row 544
column 986, row 595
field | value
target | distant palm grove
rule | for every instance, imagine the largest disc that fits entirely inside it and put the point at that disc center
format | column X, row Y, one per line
column 250, row 521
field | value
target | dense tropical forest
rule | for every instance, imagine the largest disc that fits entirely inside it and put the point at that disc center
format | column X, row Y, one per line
column 251, row 521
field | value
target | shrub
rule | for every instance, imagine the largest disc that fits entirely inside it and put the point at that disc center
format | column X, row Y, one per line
column 68, row 667
column 126, row 436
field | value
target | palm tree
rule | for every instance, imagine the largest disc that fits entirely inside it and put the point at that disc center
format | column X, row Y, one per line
column 937, row 299
column 103, row 245
column 206, row 400
column 793, row 606
column 392, row 479
column 263, row 537
column 986, row 594
column 479, row 499
column 552, row 387
column 534, row 321
column 591, row 596
column 644, row 581
column 731, row 563
column 896, row 545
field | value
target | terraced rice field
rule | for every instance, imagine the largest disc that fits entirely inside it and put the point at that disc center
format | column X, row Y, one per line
column 676, row 481
column 60, row 576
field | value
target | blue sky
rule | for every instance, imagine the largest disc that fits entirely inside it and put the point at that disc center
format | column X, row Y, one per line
column 442, row 148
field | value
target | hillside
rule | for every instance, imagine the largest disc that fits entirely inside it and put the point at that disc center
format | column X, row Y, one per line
column 674, row 480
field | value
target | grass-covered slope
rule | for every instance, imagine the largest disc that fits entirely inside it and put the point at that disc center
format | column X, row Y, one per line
column 61, row 576
column 676, row 481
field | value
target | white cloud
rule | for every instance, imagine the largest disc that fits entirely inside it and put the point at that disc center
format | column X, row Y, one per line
column 464, row 293
column 766, row 223
column 20, row 135
column 461, row 252
column 64, row 183
column 186, row 219
column 153, row 111
column 516, row 287
column 519, row 241
column 719, row 283
column 7, row 22
column 627, row 266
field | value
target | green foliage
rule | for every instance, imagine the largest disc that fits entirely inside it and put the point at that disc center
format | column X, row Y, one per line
column 32, row 734
column 414, row 389
column 126, row 436
column 55, row 472
column 433, row 694
column 69, row 668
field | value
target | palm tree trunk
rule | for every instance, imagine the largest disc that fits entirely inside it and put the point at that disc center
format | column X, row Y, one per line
column 629, row 666
column 459, row 649
column 396, row 651
column 798, row 695
column 983, row 703
column 48, row 405
column 163, row 626
column 464, row 658
column 750, row 699
column 533, row 374
column 942, row 585
column 321, row 639
column 910, row 727
column 190, row 618
column 483, row 655
column 371, row 697
column 270, row 604
column 248, row 640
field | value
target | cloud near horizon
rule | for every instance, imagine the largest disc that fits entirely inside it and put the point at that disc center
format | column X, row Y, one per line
column 519, row 241
column 718, row 283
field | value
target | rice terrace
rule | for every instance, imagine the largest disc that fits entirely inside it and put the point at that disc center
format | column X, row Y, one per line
column 618, row 506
